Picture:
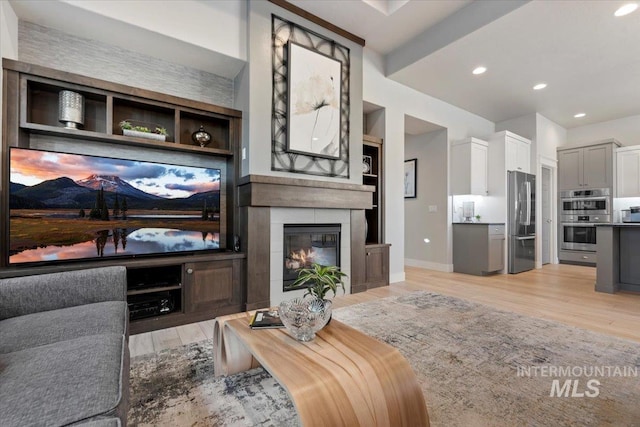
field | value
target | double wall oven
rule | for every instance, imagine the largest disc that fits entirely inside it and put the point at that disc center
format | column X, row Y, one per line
column 580, row 211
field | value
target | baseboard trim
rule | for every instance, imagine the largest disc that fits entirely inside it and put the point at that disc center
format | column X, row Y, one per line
column 396, row 277
column 447, row 268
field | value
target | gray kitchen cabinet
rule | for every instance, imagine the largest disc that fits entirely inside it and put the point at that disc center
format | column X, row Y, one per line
column 478, row 248
column 587, row 167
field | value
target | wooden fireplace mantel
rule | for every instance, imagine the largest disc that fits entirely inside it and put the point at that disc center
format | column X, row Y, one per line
column 263, row 190
column 257, row 194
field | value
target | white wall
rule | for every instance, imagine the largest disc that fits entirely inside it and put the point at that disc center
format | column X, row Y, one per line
column 205, row 35
column 431, row 151
column 398, row 100
column 218, row 26
column 626, row 130
column 524, row 126
column 258, row 99
column 549, row 136
column 8, row 31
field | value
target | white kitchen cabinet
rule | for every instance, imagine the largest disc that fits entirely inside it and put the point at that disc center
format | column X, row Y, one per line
column 628, row 171
column 469, row 159
column 587, row 167
column 518, row 152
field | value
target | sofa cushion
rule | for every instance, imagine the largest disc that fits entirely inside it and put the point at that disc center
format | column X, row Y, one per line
column 44, row 292
column 65, row 382
column 32, row 330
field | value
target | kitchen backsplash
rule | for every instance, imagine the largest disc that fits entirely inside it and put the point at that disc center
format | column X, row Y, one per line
column 623, row 203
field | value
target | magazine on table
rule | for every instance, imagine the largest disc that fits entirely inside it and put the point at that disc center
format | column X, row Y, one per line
column 263, row 319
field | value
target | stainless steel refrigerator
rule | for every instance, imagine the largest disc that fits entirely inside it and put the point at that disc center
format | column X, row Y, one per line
column 521, row 228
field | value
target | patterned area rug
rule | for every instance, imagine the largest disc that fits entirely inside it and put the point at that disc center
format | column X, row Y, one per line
column 477, row 366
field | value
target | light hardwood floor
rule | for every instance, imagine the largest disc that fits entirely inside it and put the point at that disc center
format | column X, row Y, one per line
column 560, row 292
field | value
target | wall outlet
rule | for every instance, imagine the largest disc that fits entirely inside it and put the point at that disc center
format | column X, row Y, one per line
column 433, row 208
column 244, row 153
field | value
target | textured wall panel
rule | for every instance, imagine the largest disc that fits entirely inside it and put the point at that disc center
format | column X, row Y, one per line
column 55, row 49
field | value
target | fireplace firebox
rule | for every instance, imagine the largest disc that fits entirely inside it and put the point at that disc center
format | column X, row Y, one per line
column 305, row 245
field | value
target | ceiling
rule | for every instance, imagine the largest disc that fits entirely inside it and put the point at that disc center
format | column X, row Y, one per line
column 589, row 59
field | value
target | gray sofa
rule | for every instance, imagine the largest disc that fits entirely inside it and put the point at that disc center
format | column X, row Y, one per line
column 64, row 356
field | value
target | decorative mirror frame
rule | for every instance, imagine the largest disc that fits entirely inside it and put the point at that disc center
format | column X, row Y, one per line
column 282, row 158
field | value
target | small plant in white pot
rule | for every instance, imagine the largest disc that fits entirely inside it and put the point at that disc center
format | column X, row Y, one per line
column 142, row 130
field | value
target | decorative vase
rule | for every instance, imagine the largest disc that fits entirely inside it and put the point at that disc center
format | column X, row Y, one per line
column 70, row 109
column 303, row 317
column 201, row 137
column 328, row 307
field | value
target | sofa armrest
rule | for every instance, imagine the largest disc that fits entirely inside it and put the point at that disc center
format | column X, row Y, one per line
column 44, row 292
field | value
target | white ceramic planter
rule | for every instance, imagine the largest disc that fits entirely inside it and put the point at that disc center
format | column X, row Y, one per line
column 146, row 135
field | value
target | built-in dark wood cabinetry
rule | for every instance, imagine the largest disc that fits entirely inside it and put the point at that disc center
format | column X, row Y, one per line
column 376, row 251
column 377, row 265
column 195, row 286
column 189, row 288
column 372, row 174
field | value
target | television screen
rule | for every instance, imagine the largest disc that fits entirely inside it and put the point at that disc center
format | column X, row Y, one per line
column 70, row 207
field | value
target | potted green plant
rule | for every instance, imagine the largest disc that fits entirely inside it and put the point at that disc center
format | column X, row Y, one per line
column 321, row 279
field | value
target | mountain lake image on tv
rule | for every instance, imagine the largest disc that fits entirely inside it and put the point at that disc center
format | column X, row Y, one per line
column 70, row 207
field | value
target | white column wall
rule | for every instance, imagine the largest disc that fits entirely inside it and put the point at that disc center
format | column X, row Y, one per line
column 398, row 100
column 257, row 104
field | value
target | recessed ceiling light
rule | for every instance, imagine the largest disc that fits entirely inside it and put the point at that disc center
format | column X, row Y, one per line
column 579, row 115
column 540, row 86
column 626, row 9
column 479, row 70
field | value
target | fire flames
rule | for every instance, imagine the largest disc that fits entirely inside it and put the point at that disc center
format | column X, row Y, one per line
column 299, row 259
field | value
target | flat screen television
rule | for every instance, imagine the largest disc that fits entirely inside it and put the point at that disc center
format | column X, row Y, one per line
column 69, row 207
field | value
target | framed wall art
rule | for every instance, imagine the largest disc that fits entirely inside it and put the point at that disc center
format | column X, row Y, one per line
column 310, row 95
column 410, row 183
column 367, row 164
column 314, row 103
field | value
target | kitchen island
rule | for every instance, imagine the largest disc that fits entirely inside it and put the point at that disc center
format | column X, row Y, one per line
column 618, row 265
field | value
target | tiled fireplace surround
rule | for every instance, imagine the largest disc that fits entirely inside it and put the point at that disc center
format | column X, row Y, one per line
column 282, row 216
column 267, row 203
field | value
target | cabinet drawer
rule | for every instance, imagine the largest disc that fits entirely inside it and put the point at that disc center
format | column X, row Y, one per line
column 496, row 230
column 578, row 257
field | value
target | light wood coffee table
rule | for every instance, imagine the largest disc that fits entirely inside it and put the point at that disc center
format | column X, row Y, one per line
column 340, row 378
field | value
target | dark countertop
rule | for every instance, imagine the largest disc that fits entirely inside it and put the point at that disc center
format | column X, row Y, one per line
column 483, row 223
column 620, row 224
